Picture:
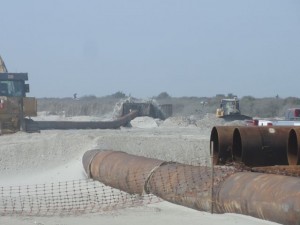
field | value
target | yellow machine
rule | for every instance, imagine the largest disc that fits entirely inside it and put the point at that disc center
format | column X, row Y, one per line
column 230, row 110
column 15, row 107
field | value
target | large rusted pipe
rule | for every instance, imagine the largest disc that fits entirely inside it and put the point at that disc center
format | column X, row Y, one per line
column 260, row 146
column 119, row 169
column 188, row 185
column 271, row 197
column 293, row 146
column 175, row 182
column 221, row 138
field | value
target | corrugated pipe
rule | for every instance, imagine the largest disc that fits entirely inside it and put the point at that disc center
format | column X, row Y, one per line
column 260, row 146
column 266, row 196
column 293, row 147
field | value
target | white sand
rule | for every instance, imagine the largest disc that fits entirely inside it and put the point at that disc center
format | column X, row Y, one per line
column 55, row 156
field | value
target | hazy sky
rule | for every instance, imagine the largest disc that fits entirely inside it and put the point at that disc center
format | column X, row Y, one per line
column 142, row 48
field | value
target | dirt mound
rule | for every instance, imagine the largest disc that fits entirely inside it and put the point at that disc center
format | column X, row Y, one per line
column 144, row 122
column 180, row 121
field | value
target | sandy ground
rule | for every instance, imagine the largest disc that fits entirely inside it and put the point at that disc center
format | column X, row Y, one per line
column 55, row 156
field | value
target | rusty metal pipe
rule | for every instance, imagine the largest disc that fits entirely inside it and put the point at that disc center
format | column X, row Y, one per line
column 270, row 197
column 265, row 196
column 293, row 146
column 187, row 185
column 260, row 146
column 221, row 137
column 119, row 169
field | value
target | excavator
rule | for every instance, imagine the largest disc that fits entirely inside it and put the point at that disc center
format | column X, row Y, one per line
column 230, row 110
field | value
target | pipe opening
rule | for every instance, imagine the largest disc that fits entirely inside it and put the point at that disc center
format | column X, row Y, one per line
column 292, row 150
column 214, row 138
column 237, row 146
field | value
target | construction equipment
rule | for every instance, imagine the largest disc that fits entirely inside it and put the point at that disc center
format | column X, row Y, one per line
column 148, row 109
column 230, row 110
column 15, row 107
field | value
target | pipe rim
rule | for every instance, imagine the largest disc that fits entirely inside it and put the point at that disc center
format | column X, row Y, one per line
column 214, row 143
column 237, row 146
column 293, row 148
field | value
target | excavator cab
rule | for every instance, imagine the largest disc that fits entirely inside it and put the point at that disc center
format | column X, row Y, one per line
column 229, row 107
column 14, row 105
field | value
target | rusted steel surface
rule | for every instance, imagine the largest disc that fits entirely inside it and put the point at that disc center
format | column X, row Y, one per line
column 67, row 125
column 291, row 170
column 293, row 146
column 187, row 185
column 222, row 137
column 260, row 146
column 266, row 196
column 119, row 170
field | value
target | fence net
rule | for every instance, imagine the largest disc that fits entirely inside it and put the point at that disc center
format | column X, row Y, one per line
column 67, row 198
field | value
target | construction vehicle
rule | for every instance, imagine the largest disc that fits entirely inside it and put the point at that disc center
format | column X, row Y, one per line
column 15, row 108
column 148, row 109
column 230, row 110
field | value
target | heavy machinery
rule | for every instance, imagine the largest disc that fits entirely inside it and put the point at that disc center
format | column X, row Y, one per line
column 148, row 109
column 15, row 108
column 230, row 110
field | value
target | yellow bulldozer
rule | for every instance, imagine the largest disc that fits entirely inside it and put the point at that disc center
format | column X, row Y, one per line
column 230, row 110
column 15, row 108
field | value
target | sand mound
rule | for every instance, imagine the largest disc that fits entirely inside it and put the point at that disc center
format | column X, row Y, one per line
column 179, row 122
column 144, row 122
column 48, row 116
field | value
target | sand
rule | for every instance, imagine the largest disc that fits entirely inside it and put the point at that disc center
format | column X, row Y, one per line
column 55, row 156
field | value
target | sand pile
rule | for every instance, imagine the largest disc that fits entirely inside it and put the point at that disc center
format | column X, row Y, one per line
column 46, row 116
column 144, row 122
column 180, row 121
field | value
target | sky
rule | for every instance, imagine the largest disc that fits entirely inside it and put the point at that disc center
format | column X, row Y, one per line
column 142, row 48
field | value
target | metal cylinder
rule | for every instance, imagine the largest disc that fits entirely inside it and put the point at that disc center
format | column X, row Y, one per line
column 265, row 196
column 221, row 137
column 187, row 185
column 260, row 146
column 293, row 146
column 119, row 169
